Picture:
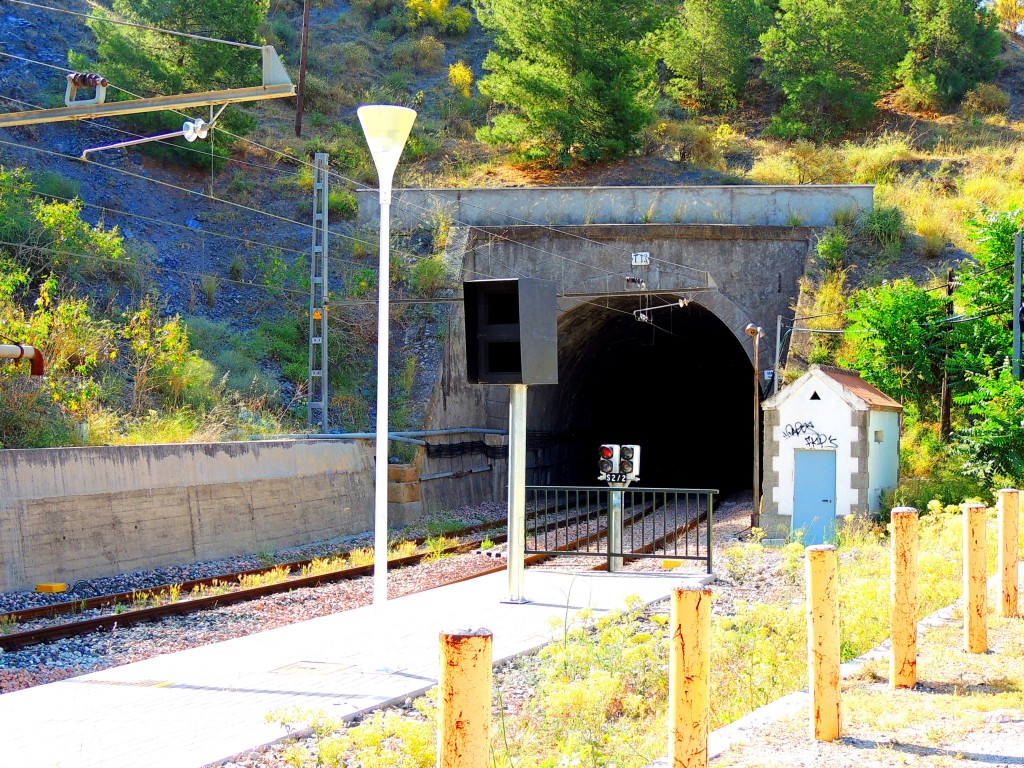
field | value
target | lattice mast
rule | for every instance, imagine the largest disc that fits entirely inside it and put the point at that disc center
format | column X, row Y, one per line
column 317, row 410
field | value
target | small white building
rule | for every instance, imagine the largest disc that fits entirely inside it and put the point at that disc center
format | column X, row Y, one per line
column 831, row 446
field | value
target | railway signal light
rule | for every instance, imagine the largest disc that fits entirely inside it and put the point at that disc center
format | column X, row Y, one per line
column 618, row 463
column 629, row 461
column 608, row 460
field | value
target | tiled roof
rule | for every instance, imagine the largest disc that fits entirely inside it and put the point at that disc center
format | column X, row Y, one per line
column 852, row 382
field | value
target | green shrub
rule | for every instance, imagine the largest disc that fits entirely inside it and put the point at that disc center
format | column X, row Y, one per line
column 741, row 561
column 342, row 203
column 376, row 8
column 985, row 99
column 427, row 277
column 919, row 97
column 286, row 342
column 885, row 226
column 53, row 184
column 832, row 248
column 421, row 145
column 318, row 96
column 458, row 21
column 425, row 54
column 236, row 269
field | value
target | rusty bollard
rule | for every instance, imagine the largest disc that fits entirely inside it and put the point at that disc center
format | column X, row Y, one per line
column 903, row 598
column 975, row 619
column 1009, row 529
column 464, row 716
column 823, row 641
column 689, row 674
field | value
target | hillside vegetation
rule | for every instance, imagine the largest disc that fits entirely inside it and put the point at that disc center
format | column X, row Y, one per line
column 921, row 99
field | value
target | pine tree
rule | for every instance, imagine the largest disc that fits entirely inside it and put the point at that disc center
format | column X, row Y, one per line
column 953, row 46
column 708, row 46
column 576, row 79
column 832, row 59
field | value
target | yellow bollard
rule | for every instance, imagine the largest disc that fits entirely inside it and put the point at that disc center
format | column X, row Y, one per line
column 823, row 641
column 975, row 619
column 1009, row 527
column 903, row 598
column 689, row 674
column 464, row 716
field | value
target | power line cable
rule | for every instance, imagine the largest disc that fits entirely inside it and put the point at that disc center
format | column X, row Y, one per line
column 144, row 265
column 175, row 33
column 214, row 198
column 364, row 186
column 218, row 278
column 213, row 233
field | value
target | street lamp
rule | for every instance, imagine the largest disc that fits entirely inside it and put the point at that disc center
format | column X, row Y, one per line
column 386, row 129
column 756, row 333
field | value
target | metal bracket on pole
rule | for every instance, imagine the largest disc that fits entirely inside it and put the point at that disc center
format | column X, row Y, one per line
column 1018, row 309
column 516, row 492
column 276, row 85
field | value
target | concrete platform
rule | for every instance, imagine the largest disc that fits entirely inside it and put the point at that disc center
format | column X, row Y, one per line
column 201, row 706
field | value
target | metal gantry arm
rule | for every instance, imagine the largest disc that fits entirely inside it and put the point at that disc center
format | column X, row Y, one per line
column 276, row 85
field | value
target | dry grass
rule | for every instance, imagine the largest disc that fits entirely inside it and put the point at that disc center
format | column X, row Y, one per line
column 964, row 707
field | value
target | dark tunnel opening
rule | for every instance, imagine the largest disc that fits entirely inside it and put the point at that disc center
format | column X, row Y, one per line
column 680, row 386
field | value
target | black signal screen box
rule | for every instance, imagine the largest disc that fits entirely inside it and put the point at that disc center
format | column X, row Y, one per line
column 511, row 335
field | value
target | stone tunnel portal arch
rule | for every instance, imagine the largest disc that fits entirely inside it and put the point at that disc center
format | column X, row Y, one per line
column 680, row 387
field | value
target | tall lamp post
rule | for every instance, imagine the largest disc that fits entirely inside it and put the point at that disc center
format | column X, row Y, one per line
column 386, row 129
column 756, row 333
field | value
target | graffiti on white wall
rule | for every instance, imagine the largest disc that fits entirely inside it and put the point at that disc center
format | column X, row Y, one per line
column 811, row 437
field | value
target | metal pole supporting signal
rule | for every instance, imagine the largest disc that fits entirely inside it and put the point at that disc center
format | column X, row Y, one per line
column 516, row 491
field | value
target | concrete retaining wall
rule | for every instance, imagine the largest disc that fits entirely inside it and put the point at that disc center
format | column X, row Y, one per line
column 74, row 513
column 772, row 206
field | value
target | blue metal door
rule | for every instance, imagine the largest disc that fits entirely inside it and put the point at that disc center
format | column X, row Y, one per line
column 814, row 497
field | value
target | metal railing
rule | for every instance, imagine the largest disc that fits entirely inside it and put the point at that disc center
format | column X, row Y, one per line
column 620, row 523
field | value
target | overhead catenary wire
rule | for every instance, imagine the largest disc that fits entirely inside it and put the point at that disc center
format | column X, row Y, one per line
column 122, row 23
column 214, row 198
column 191, row 273
column 361, row 185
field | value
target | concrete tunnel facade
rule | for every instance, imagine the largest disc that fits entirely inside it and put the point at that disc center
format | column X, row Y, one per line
column 680, row 386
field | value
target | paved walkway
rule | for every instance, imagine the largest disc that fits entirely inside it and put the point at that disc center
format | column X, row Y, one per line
column 201, row 706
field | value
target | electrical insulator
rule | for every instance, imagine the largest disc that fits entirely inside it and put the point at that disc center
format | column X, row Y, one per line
column 87, row 80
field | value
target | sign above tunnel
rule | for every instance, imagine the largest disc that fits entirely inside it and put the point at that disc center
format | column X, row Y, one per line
column 511, row 331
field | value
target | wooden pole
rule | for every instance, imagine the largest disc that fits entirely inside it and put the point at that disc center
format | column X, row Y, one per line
column 689, row 675
column 303, row 50
column 823, row 642
column 903, row 598
column 464, row 716
column 1009, row 556
column 945, row 395
column 975, row 620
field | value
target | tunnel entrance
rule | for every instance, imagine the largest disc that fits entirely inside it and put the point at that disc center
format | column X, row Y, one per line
column 680, row 386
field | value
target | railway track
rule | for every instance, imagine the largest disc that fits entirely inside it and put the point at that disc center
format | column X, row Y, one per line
column 227, row 589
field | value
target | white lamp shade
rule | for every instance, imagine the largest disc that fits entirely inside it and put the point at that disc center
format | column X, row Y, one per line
column 386, row 129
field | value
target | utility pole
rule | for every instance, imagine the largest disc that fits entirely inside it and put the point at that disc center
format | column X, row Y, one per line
column 778, row 354
column 946, row 399
column 1017, row 308
column 756, row 332
column 317, row 387
column 302, row 68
